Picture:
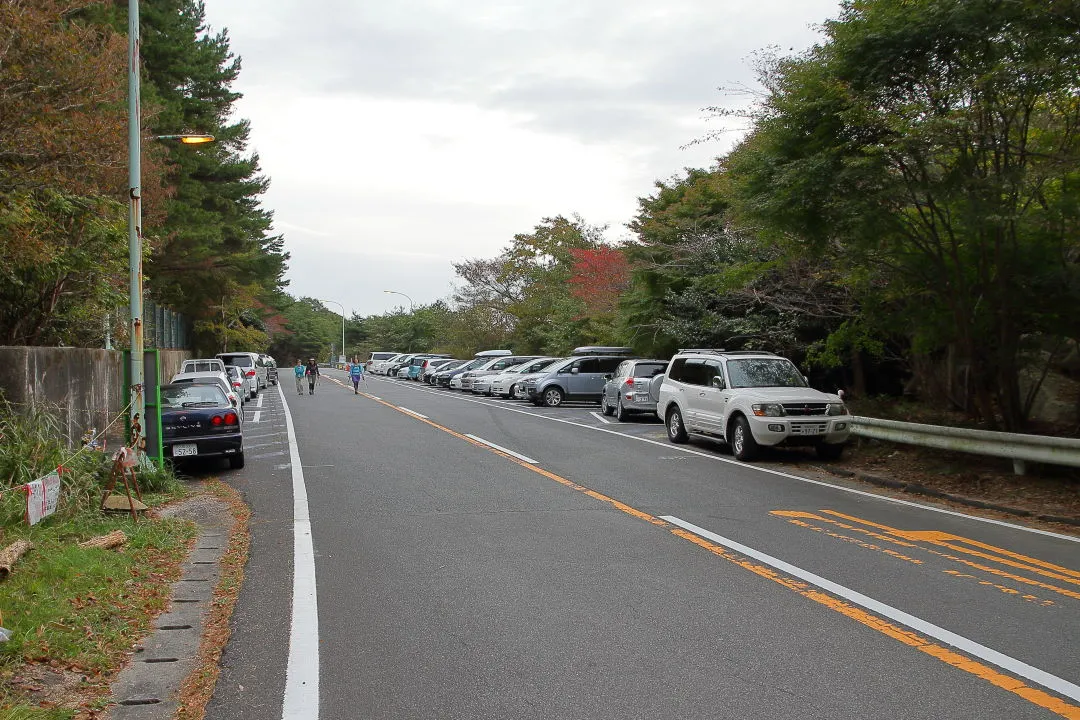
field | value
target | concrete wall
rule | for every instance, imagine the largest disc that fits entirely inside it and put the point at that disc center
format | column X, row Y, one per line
column 83, row 386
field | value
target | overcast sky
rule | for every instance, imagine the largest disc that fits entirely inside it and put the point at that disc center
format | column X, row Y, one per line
column 402, row 136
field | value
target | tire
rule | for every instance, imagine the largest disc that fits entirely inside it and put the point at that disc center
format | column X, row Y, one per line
column 620, row 412
column 553, row 397
column 676, row 430
column 236, row 461
column 743, row 445
column 511, row 391
column 253, row 395
column 829, row 451
column 604, row 407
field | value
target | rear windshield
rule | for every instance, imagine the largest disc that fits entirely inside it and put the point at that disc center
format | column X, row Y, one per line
column 648, row 370
column 382, row 355
column 193, row 396
column 239, row 360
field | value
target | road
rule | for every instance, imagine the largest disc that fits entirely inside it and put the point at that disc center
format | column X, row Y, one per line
column 476, row 558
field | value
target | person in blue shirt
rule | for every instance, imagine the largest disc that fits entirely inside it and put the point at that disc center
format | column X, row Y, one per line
column 356, row 373
column 299, row 370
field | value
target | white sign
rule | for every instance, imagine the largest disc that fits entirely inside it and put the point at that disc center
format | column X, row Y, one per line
column 42, row 497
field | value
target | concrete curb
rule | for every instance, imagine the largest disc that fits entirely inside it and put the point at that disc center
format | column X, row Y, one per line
column 148, row 688
column 917, row 489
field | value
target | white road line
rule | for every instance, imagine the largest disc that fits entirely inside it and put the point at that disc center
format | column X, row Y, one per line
column 778, row 473
column 500, row 448
column 412, row 412
column 302, row 673
column 601, row 418
column 1011, row 664
column 259, row 402
column 257, row 416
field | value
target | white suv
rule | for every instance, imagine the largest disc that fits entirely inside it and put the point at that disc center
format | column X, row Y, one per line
column 749, row 399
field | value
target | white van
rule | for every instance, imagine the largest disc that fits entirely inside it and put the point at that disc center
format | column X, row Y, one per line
column 203, row 365
column 249, row 364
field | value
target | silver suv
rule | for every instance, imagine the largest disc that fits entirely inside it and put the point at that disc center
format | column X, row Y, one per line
column 579, row 377
column 749, row 400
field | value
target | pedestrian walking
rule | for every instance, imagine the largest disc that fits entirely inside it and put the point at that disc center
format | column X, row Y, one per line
column 313, row 377
column 356, row 372
column 299, row 370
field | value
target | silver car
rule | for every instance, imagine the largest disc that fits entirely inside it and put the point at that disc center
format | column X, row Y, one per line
column 633, row 388
column 505, row 383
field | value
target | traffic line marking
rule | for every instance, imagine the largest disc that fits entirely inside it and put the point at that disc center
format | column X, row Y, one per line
column 601, row 418
column 880, row 609
column 257, row 417
column 302, row 672
column 715, row 544
column 259, row 402
column 411, row 412
column 500, row 447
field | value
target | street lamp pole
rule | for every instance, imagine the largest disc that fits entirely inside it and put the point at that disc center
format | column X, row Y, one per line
column 342, row 324
column 137, row 408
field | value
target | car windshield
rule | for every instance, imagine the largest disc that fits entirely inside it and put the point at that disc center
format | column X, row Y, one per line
column 240, row 361
column 184, row 396
column 648, row 370
column 764, row 372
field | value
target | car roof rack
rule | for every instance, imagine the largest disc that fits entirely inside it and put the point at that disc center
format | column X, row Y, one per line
column 722, row 351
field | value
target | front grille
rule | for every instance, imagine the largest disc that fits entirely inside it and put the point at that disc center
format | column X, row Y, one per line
column 808, row 428
column 805, row 408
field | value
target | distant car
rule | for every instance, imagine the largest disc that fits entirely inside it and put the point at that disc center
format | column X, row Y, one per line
column 249, row 363
column 447, row 377
column 431, row 365
column 504, row 384
column 416, row 365
column 445, row 369
column 203, row 365
column 271, row 368
column 219, row 379
column 480, row 378
column 576, row 378
column 198, row 420
column 239, row 383
column 633, row 388
column 377, row 357
column 248, row 390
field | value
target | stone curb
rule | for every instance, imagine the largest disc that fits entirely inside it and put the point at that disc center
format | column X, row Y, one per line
column 917, row 489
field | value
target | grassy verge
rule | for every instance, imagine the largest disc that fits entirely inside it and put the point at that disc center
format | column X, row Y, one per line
column 75, row 613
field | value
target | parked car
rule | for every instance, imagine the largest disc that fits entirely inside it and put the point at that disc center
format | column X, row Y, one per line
column 441, row 374
column 239, row 383
column 379, row 367
column 377, row 357
column 479, row 359
column 505, row 383
column 749, row 400
column 249, row 363
column 433, row 364
column 202, row 365
column 416, row 365
column 479, row 379
column 198, row 420
column 271, row 368
column 218, row 379
column 633, row 388
column 579, row 377
column 393, row 366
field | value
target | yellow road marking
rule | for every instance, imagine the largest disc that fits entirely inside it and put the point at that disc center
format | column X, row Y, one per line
column 950, row 657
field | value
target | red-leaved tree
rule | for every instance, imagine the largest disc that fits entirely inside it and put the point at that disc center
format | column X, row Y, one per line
column 598, row 278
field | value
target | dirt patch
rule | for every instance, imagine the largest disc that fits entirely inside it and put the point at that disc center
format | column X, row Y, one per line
column 45, row 686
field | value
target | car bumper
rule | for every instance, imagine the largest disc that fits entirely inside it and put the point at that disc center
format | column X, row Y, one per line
column 638, row 402
column 212, row 446
column 774, row 431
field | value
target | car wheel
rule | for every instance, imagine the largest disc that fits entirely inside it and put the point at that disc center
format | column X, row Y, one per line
column 829, row 451
column 553, row 397
column 676, row 431
column 620, row 412
column 253, row 395
column 743, row 444
column 511, row 392
column 604, row 407
column 236, row 461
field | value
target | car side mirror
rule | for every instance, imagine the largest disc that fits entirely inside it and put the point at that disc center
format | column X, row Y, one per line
column 608, row 376
column 574, row 371
column 233, row 402
column 717, row 382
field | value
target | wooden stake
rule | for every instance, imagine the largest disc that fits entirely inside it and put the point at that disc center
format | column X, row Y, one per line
column 10, row 555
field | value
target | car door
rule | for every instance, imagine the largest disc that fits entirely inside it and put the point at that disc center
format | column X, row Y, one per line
column 583, row 376
column 711, row 398
column 693, row 392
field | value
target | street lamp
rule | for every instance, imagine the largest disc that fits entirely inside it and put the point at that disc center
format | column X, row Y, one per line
column 342, row 324
column 137, row 407
column 395, row 292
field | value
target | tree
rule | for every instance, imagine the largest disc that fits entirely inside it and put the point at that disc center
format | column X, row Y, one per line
column 931, row 148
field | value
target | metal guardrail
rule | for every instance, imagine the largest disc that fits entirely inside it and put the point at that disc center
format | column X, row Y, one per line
column 1015, row 446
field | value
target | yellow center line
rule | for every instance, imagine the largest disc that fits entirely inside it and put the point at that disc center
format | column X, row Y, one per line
column 950, row 657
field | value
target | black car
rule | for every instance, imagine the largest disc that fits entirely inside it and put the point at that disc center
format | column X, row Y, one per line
column 198, row 421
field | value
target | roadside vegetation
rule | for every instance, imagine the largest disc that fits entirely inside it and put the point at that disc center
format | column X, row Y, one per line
column 73, row 613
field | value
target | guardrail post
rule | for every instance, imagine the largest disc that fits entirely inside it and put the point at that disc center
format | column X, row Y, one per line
column 1019, row 467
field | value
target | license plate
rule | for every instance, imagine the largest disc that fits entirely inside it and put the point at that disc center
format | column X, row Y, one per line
column 641, row 398
column 185, row 450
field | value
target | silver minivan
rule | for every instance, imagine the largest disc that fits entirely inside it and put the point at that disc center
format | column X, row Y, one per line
column 249, row 363
column 576, row 378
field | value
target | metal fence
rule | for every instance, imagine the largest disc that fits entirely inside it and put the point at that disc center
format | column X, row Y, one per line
column 163, row 328
column 1017, row 447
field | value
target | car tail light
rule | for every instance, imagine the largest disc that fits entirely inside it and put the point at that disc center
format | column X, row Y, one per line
column 629, row 382
column 237, row 384
column 216, row 421
column 249, row 373
column 232, row 419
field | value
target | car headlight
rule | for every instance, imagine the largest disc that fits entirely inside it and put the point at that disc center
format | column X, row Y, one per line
column 768, row 410
column 836, row 409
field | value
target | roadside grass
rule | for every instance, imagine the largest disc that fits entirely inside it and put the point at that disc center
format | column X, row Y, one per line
column 75, row 613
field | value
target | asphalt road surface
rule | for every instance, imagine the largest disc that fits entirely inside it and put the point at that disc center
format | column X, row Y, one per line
column 478, row 558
